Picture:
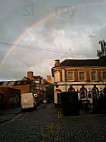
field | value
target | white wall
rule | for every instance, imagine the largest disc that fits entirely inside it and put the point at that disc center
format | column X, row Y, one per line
column 57, row 76
column 76, row 87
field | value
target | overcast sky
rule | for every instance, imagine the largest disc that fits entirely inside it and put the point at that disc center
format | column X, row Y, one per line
column 51, row 29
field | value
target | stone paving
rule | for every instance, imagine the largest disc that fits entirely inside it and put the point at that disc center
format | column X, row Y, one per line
column 43, row 125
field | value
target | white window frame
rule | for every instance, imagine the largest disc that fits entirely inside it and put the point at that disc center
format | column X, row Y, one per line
column 102, row 76
column 84, row 76
column 67, row 75
column 91, row 77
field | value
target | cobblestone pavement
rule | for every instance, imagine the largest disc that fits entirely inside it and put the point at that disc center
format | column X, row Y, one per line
column 8, row 114
column 43, row 125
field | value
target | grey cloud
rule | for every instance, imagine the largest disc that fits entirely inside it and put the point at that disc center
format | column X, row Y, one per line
column 62, row 36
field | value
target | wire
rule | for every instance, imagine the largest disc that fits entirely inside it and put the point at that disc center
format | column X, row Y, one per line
column 11, row 44
column 46, row 49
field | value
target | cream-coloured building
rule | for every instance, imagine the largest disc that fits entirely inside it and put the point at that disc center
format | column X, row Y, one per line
column 87, row 77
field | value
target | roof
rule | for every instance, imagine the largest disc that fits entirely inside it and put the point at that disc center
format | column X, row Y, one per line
column 25, row 78
column 38, row 77
column 81, row 63
column 12, row 83
column 29, row 79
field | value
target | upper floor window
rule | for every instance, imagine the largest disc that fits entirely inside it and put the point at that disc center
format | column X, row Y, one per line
column 81, row 76
column 70, row 75
column 104, row 75
column 93, row 75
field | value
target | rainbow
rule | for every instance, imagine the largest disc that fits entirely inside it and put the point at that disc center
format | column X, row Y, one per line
column 20, row 38
column 36, row 24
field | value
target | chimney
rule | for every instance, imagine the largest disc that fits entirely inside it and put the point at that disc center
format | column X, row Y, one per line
column 57, row 63
column 30, row 74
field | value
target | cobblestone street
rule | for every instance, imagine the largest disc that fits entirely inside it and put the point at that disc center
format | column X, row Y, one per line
column 43, row 125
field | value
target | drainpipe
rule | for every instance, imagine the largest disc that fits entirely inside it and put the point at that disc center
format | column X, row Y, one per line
column 65, row 81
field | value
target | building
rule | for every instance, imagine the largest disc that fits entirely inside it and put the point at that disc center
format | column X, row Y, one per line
column 12, row 91
column 1, row 99
column 37, row 85
column 10, row 97
column 49, row 79
column 87, row 77
column 29, row 83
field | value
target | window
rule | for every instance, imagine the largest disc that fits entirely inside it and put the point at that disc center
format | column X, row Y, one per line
column 93, row 75
column 5, row 83
column 11, row 83
column 70, row 75
column 83, row 92
column 71, row 89
column 95, row 92
column 81, row 76
column 37, row 81
column 19, row 82
column 104, row 75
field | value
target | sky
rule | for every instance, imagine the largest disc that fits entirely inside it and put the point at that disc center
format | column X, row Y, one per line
column 34, row 33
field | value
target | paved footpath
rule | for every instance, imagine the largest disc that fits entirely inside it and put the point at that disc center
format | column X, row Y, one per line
column 43, row 125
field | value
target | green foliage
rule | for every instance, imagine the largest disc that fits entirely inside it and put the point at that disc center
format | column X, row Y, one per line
column 50, row 93
column 102, row 52
column 99, row 53
column 103, row 60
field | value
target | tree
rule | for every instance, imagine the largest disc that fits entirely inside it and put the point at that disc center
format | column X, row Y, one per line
column 102, row 52
column 50, row 93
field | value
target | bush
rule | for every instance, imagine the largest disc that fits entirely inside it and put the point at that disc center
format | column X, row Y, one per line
column 50, row 93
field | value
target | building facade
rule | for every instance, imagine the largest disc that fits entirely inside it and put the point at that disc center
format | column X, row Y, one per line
column 23, row 86
column 10, row 97
column 1, row 99
column 29, row 83
column 84, row 76
column 49, row 79
column 38, row 85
